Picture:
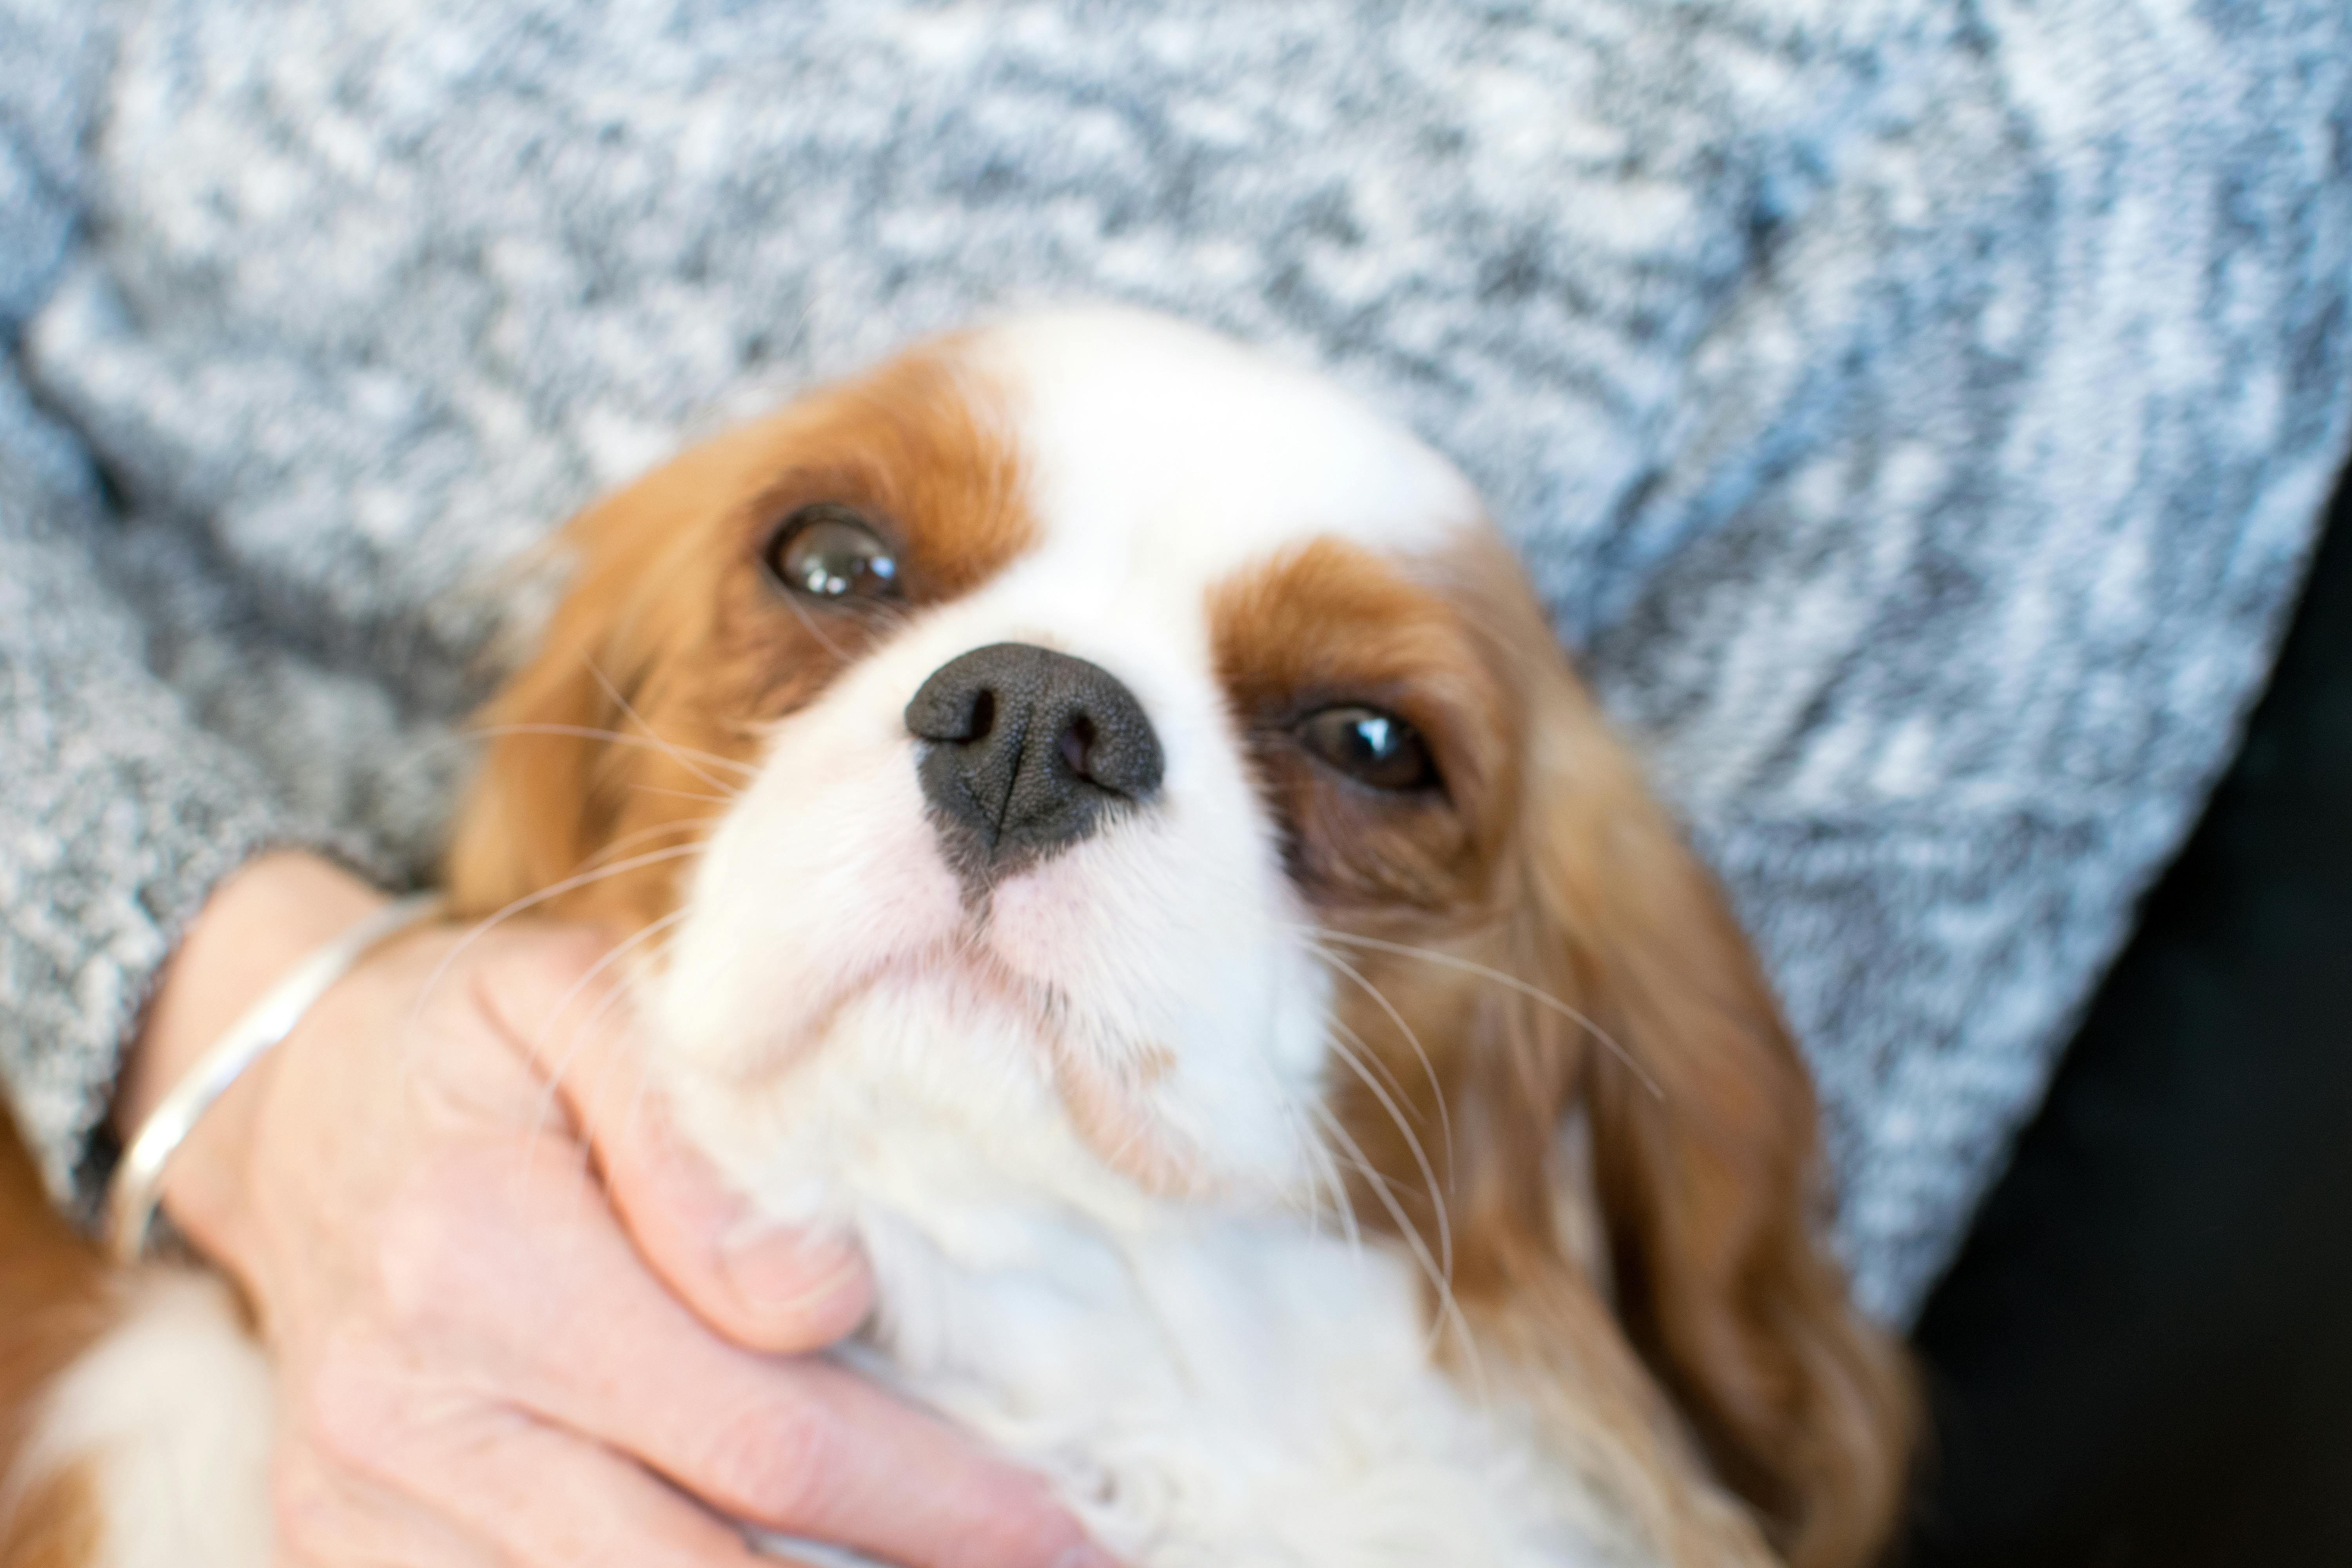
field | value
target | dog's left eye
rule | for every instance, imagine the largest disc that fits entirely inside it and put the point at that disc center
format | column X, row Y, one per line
column 828, row 551
column 1370, row 746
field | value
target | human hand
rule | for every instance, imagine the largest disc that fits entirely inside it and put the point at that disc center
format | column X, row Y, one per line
column 518, row 1323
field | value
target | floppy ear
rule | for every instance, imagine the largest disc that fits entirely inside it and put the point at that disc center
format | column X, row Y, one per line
column 532, row 812
column 607, row 745
column 1631, row 1173
column 1705, row 1152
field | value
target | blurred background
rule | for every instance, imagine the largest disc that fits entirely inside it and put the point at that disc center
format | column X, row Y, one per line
column 2143, row 1354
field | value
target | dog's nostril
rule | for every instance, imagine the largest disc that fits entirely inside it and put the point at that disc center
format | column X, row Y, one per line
column 984, row 716
column 1079, row 744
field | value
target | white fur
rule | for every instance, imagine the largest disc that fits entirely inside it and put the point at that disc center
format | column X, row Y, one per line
column 172, row 1413
column 1190, row 455
column 1204, row 1385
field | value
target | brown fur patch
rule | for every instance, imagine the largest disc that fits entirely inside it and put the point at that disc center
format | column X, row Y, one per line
column 1330, row 622
column 56, row 1524
column 1537, row 938
column 615, row 748
column 53, row 1305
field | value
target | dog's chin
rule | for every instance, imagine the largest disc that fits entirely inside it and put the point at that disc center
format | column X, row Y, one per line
column 1121, row 1088
column 950, row 1035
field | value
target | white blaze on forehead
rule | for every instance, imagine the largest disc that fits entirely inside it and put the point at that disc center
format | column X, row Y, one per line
column 1186, row 452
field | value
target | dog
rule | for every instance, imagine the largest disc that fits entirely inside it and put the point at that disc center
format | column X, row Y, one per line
column 1146, row 871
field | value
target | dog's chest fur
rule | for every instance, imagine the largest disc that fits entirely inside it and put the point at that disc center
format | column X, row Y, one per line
column 1203, row 1384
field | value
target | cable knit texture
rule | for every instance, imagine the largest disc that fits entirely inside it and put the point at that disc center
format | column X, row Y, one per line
column 1916, row 412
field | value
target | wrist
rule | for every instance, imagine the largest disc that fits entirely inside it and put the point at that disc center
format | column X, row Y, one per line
column 255, row 928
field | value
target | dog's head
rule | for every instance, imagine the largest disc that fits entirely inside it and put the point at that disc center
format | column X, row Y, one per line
column 1169, row 708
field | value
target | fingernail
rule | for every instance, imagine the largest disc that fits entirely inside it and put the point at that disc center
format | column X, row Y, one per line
column 1086, row 1555
column 793, row 1281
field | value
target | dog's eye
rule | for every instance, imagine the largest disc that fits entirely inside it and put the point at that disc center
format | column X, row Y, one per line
column 1375, row 748
column 828, row 551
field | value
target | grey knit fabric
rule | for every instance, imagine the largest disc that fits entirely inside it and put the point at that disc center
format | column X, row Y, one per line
column 1916, row 412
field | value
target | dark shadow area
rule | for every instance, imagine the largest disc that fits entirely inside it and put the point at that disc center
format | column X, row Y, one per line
column 2143, row 1356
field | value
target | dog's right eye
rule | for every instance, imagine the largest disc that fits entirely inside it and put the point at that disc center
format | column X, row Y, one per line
column 1371, row 746
column 828, row 551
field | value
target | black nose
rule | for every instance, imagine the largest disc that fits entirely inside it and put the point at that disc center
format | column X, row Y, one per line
column 1029, row 748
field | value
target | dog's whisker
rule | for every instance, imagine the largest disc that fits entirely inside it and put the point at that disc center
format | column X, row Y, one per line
column 1335, row 1182
column 1325, row 1176
column 596, row 733
column 686, row 793
column 465, row 736
column 552, row 1088
column 1317, row 1158
column 632, row 988
column 532, row 900
column 582, row 1032
column 680, row 753
column 1449, row 1314
column 1396, row 1084
column 638, row 1091
column 1428, row 1068
column 624, row 989
column 639, row 836
column 1510, row 981
column 1322, row 1175
column 1412, row 1142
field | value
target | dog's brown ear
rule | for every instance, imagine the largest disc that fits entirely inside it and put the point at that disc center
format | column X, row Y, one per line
column 608, row 742
column 533, row 811
column 1705, row 1152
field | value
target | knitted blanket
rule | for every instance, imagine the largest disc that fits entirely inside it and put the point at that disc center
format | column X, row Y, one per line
column 1914, row 413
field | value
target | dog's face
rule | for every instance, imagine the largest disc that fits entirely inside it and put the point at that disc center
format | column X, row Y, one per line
column 1058, row 760
column 1179, row 731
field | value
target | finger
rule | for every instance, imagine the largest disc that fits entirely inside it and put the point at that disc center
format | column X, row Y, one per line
column 809, row 1449
column 342, row 1520
column 592, row 1344
column 765, row 1288
column 545, row 1499
column 762, row 1287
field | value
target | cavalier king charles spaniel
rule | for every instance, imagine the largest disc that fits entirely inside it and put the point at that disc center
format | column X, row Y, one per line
column 1108, row 827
